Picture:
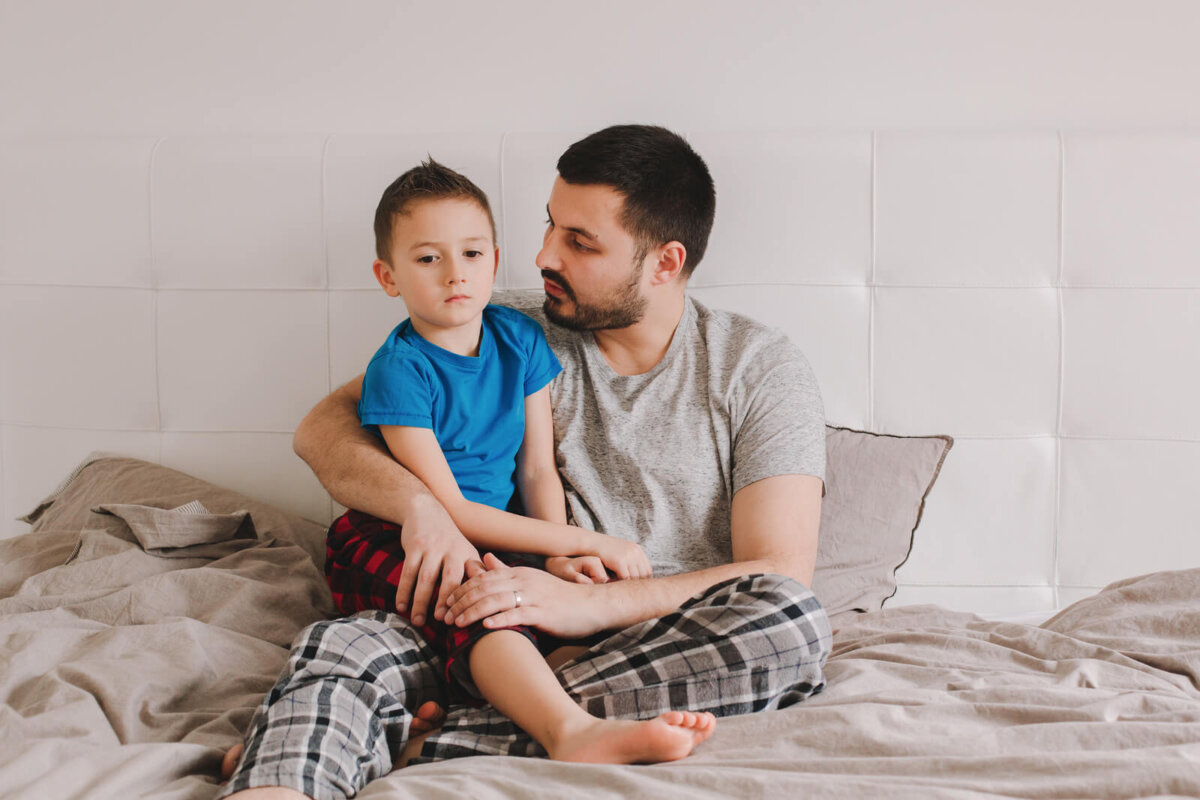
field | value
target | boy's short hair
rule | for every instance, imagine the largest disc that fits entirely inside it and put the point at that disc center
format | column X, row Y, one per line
column 668, row 191
column 428, row 181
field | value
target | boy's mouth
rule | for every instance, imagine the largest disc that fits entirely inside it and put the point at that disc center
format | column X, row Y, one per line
column 458, row 297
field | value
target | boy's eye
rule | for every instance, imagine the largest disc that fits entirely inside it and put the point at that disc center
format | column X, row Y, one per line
column 473, row 253
column 426, row 259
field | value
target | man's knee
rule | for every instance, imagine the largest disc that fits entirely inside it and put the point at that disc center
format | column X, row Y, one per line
column 787, row 610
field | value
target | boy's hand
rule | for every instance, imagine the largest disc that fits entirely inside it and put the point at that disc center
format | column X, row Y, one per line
column 625, row 559
column 580, row 569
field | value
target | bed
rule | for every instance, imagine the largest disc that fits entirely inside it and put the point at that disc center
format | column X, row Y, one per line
column 148, row 611
column 1031, row 293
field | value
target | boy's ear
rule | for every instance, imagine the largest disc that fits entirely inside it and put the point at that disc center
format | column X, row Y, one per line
column 496, row 266
column 383, row 274
column 670, row 260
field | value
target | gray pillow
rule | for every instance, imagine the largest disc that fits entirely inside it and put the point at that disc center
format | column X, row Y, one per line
column 875, row 490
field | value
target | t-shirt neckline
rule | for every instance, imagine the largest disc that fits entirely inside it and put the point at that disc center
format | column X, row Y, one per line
column 473, row 363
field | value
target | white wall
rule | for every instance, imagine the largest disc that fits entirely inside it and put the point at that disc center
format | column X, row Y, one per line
column 289, row 66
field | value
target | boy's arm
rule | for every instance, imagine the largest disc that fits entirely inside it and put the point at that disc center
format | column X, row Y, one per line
column 359, row 473
column 537, row 474
column 774, row 530
column 492, row 529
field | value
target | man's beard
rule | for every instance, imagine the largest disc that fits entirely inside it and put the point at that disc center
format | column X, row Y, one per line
column 624, row 307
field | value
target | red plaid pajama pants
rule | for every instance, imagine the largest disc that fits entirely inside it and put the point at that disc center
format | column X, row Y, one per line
column 363, row 562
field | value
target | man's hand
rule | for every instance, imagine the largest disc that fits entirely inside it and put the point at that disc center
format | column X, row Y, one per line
column 434, row 549
column 566, row 610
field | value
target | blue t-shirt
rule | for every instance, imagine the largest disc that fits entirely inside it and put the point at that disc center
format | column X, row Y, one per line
column 475, row 405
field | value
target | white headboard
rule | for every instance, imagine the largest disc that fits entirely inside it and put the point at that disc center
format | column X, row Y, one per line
column 1035, row 294
column 976, row 218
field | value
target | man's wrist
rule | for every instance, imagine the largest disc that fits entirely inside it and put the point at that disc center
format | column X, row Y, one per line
column 416, row 505
column 615, row 604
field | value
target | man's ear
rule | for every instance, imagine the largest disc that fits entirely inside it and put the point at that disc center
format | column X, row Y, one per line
column 669, row 264
column 383, row 274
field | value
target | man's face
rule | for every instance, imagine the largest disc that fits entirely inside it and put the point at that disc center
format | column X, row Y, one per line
column 591, row 267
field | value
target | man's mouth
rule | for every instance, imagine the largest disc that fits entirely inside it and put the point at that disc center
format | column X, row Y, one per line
column 554, row 286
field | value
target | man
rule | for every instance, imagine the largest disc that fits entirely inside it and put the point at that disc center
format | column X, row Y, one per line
column 697, row 434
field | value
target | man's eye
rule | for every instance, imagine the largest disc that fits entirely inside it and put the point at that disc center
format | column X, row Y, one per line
column 583, row 248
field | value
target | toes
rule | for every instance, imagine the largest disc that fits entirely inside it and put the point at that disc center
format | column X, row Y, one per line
column 428, row 717
column 229, row 762
column 431, row 712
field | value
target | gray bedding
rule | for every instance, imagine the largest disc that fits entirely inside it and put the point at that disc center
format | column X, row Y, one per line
column 129, row 663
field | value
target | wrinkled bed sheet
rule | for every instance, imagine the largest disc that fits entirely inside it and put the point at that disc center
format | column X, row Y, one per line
column 126, row 674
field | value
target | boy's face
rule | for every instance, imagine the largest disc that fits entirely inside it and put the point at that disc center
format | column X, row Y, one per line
column 593, row 277
column 443, row 263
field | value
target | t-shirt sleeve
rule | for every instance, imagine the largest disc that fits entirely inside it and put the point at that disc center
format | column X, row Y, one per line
column 397, row 390
column 783, row 427
column 542, row 365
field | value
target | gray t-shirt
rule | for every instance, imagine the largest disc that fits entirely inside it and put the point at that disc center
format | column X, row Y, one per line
column 656, row 458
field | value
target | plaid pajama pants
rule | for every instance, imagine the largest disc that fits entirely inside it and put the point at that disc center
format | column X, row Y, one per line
column 342, row 708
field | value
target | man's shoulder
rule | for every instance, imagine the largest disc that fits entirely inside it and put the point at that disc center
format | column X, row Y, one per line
column 525, row 301
column 735, row 336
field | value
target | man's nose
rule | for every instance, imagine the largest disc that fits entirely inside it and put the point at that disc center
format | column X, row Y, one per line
column 547, row 257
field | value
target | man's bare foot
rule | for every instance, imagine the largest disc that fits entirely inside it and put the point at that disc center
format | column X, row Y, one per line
column 668, row 737
column 429, row 718
column 229, row 762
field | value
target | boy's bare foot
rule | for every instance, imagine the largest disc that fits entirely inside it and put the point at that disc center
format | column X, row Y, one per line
column 668, row 737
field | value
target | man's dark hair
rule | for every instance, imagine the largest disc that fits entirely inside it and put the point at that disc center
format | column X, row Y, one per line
column 429, row 181
column 668, row 191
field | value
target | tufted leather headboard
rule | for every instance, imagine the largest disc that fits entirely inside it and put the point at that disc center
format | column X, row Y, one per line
column 1035, row 294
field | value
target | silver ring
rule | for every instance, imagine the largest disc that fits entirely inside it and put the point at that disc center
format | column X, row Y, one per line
column 517, row 599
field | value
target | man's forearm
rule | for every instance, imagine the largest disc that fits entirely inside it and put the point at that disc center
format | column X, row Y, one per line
column 632, row 601
column 353, row 466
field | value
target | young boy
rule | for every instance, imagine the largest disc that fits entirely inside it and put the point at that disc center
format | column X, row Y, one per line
column 460, row 394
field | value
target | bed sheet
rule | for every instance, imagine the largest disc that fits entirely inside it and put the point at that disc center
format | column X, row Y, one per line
column 126, row 673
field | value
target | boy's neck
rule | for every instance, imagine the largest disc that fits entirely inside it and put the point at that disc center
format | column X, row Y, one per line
column 461, row 340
